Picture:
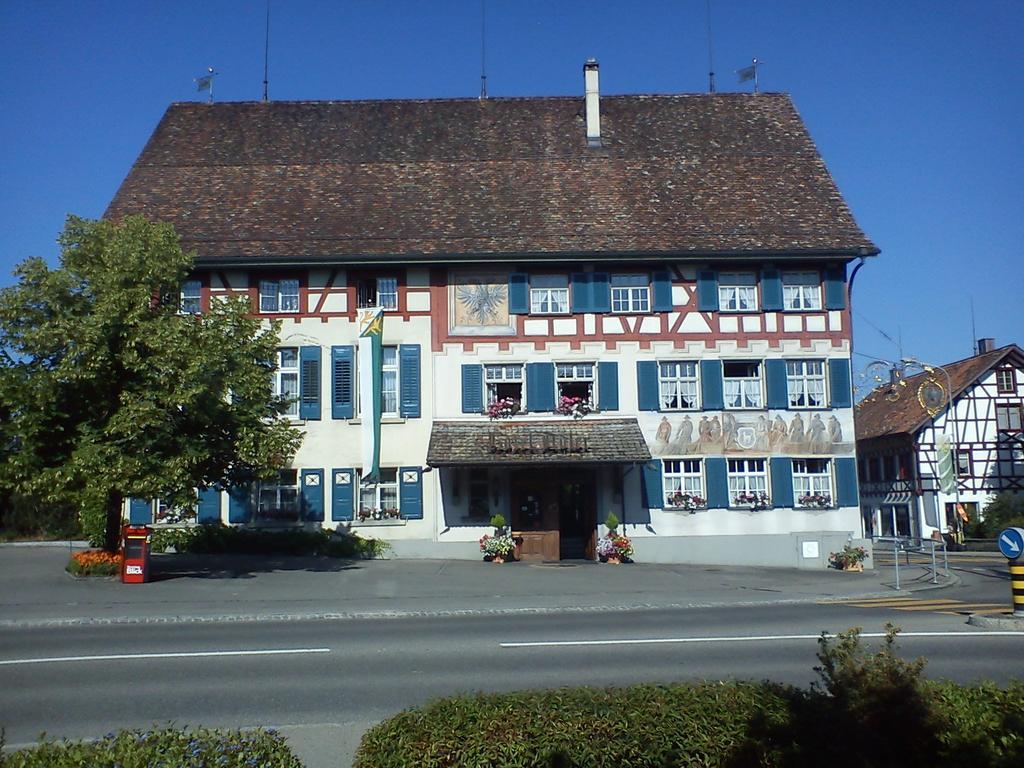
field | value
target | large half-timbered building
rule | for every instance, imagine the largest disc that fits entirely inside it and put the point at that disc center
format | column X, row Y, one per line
column 898, row 444
column 628, row 304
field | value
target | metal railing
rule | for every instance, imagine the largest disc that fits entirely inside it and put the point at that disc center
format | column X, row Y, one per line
column 908, row 545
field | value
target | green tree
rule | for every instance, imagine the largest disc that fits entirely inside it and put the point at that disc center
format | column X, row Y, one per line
column 106, row 391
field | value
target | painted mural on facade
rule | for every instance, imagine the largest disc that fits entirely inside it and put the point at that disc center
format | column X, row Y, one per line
column 480, row 301
column 784, row 433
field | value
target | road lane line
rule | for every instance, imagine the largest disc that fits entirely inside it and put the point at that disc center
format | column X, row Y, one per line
column 173, row 655
column 740, row 639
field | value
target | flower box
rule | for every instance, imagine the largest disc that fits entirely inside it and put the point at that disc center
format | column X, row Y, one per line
column 504, row 408
column 755, row 500
column 576, row 407
column 850, row 559
column 689, row 502
column 815, row 501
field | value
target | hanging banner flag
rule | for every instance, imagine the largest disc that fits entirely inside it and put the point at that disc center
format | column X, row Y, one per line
column 371, row 329
column 947, row 473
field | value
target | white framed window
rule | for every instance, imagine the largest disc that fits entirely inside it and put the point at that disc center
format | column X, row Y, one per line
column 575, row 380
column 805, row 380
column 377, row 292
column 379, row 501
column 286, row 378
column 812, row 482
column 190, row 298
column 389, row 381
column 278, row 500
column 801, row 291
column 549, row 294
column 741, row 381
column 684, row 483
column 504, row 382
column 1008, row 417
column 1006, row 381
column 678, row 385
column 963, row 462
column 631, row 293
column 166, row 514
column 279, row 295
column 737, row 292
column 748, row 482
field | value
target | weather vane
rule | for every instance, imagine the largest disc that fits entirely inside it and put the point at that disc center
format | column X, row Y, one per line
column 205, row 82
column 750, row 73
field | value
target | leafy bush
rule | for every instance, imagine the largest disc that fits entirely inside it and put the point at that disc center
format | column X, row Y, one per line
column 95, row 562
column 22, row 517
column 868, row 710
column 167, row 748
column 223, row 539
column 611, row 522
column 1004, row 511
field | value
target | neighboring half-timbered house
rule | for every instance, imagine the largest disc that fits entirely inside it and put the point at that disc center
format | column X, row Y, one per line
column 628, row 304
column 898, row 445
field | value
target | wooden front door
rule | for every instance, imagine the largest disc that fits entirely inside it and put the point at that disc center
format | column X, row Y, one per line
column 535, row 515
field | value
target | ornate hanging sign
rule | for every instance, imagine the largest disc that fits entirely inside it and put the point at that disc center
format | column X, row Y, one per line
column 932, row 396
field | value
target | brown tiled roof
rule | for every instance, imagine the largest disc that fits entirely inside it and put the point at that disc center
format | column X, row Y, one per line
column 685, row 174
column 587, row 441
column 875, row 416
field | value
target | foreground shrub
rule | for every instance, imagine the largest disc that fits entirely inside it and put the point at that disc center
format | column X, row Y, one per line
column 23, row 518
column 169, row 747
column 223, row 539
column 867, row 710
column 95, row 562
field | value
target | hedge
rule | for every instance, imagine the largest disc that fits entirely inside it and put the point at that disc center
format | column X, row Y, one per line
column 705, row 724
column 223, row 539
column 162, row 748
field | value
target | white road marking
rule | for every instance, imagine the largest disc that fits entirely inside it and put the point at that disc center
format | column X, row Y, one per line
column 742, row 639
column 177, row 655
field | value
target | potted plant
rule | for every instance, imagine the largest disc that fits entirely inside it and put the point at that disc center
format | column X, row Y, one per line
column 690, row 502
column 756, row 500
column 503, row 408
column 576, row 407
column 497, row 547
column 850, row 559
column 611, row 523
column 815, row 501
column 615, row 548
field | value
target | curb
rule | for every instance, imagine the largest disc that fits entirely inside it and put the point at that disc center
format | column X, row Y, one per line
column 997, row 622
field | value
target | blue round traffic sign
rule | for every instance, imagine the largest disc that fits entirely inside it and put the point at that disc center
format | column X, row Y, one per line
column 1011, row 543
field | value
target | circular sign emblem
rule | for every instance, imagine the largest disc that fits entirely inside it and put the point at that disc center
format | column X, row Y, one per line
column 932, row 396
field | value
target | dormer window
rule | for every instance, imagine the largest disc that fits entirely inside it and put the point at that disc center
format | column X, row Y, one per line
column 279, row 295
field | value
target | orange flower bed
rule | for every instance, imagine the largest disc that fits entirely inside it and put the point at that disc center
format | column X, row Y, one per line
column 95, row 562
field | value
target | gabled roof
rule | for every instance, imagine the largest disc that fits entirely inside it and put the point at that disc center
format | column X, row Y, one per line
column 874, row 416
column 451, row 178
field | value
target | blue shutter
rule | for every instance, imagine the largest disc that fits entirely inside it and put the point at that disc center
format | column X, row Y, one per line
column 771, row 290
column 652, row 485
column 472, row 388
column 835, row 288
column 342, row 382
column 782, row 481
column 309, row 383
column 410, row 492
column 778, row 388
column 540, row 387
column 239, row 504
column 312, row 495
column 343, row 483
column 600, row 293
column 647, row 392
column 707, row 291
column 409, row 384
column 718, row 482
column 582, row 292
column 519, row 293
column 839, row 382
column 209, row 506
column 662, row 284
column 846, row 482
column 140, row 511
column 712, row 391
column 608, row 386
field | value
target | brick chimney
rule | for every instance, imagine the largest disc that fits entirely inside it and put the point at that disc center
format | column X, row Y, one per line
column 986, row 345
column 593, row 96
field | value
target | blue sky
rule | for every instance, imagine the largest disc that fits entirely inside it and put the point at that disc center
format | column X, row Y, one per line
column 916, row 106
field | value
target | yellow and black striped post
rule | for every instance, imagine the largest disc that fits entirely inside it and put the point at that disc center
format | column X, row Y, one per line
column 1017, row 586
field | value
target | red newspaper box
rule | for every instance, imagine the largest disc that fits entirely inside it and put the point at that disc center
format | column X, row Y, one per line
column 135, row 568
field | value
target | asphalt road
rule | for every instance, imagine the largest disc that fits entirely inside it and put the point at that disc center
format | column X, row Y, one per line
column 323, row 682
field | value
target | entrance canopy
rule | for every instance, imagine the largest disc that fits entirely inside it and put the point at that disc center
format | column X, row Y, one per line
column 519, row 442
